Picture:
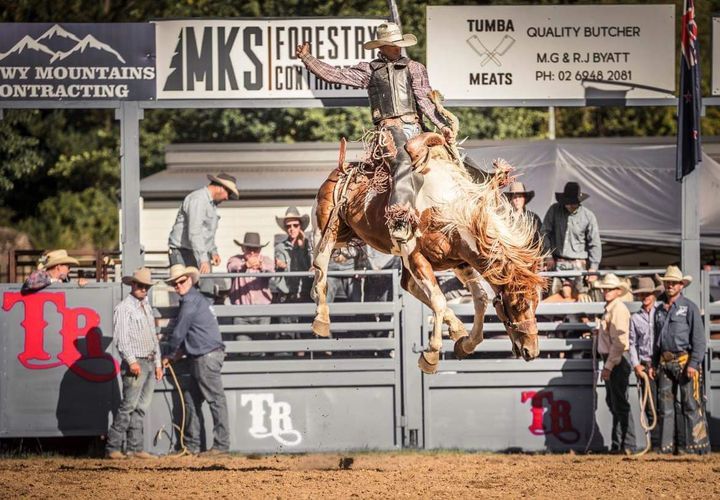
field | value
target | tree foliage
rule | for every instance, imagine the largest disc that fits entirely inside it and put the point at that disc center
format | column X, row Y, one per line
column 59, row 169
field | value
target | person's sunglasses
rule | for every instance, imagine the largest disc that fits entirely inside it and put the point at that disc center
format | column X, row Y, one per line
column 292, row 224
column 180, row 282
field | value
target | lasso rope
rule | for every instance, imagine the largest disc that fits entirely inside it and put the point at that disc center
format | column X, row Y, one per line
column 594, row 384
column 645, row 395
column 181, row 427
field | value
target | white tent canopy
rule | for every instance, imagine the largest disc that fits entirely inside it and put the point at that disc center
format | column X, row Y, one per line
column 632, row 187
column 631, row 181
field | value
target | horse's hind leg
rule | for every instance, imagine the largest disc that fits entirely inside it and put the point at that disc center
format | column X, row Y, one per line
column 325, row 239
column 465, row 346
column 422, row 273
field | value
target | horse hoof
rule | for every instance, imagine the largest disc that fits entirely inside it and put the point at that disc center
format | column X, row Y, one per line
column 321, row 328
column 460, row 353
column 425, row 365
column 457, row 333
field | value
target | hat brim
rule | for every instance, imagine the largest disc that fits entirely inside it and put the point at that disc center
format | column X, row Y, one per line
column 407, row 41
column 233, row 192
column 62, row 260
column 529, row 195
column 304, row 221
column 686, row 280
column 129, row 280
column 562, row 199
column 656, row 291
column 194, row 275
column 250, row 245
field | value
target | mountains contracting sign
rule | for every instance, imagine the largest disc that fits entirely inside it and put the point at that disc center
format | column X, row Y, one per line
column 72, row 61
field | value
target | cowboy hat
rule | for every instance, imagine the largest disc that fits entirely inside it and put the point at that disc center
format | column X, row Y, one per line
column 57, row 257
column 293, row 213
column 390, row 34
column 251, row 240
column 519, row 188
column 610, row 281
column 141, row 275
column 178, row 271
column 645, row 284
column 571, row 194
column 673, row 273
column 228, row 182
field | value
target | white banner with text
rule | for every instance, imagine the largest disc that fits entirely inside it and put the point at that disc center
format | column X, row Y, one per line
column 552, row 52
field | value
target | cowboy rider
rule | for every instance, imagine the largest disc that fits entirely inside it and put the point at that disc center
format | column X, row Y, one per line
column 398, row 89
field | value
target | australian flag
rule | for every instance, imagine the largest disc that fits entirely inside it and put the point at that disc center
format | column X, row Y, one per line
column 688, row 130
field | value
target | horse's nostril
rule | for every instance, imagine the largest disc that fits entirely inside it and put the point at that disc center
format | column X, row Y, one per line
column 526, row 353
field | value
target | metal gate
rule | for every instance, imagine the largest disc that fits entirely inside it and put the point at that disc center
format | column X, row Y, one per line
column 289, row 392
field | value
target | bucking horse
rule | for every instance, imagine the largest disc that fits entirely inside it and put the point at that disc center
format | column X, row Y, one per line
column 464, row 224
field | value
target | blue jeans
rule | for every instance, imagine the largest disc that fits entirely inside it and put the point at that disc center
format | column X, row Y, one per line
column 205, row 384
column 128, row 419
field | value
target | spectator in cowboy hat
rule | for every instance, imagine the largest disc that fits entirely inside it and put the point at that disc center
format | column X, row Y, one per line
column 192, row 238
column 613, row 346
column 642, row 336
column 519, row 198
column 294, row 253
column 678, row 354
column 572, row 236
column 137, row 342
column 53, row 267
column 195, row 332
column 250, row 290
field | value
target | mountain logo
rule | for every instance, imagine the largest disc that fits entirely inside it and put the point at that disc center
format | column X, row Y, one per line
column 56, row 32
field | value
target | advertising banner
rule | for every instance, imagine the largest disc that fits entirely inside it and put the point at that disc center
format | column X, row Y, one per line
column 552, row 52
column 77, row 61
column 255, row 58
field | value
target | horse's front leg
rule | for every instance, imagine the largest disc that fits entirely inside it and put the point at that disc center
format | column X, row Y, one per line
column 422, row 273
column 321, row 259
column 465, row 346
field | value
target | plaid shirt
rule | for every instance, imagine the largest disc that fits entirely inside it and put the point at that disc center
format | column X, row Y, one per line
column 38, row 280
column 134, row 330
column 359, row 76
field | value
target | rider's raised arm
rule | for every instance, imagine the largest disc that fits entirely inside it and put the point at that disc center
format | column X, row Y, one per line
column 421, row 90
column 354, row 76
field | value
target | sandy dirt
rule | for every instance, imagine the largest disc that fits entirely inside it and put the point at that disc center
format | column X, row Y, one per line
column 365, row 475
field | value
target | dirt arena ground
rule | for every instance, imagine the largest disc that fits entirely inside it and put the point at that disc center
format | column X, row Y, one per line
column 365, row 475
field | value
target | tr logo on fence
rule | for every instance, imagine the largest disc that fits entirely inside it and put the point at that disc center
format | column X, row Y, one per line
column 559, row 412
column 35, row 357
column 278, row 418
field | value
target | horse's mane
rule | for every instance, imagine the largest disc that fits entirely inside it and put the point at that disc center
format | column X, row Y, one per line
column 506, row 242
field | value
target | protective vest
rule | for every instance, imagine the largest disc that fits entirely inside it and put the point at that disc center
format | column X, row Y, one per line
column 390, row 90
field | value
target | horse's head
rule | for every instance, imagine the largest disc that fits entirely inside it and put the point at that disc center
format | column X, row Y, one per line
column 517, row 312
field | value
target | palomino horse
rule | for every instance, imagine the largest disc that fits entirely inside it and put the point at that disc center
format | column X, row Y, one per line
column 464, row 225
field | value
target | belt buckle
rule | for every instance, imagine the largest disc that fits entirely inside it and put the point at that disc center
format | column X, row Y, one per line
column 667, row 356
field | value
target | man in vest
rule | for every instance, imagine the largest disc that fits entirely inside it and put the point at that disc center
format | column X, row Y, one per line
column 398, row 89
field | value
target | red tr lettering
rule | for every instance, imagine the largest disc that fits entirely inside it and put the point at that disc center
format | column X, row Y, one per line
column 560, row 422
column 34, row 355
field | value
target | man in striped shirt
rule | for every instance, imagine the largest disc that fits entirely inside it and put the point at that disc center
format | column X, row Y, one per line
column 137, row 342
column 398, row 89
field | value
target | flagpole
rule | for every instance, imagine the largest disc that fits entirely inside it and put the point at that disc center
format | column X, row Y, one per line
column 689, row 150
column 690, row 246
